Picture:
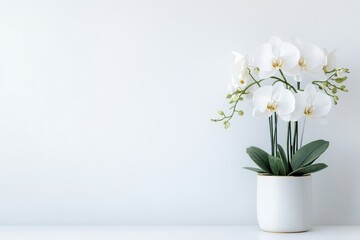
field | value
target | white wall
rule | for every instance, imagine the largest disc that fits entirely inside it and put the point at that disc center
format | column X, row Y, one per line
column 105, row 108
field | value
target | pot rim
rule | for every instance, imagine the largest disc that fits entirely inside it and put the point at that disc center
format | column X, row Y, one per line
column 275, row 176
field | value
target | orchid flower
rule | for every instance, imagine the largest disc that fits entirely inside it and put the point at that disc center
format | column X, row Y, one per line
column 240, row 71
column 330, row 60
column 240, row 78
column 276, row 55
column 311, row 104
column 273, row 99
column 312, row 60
column 264, row 78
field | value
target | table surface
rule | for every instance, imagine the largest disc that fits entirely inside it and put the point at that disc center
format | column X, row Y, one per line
column 215, row 232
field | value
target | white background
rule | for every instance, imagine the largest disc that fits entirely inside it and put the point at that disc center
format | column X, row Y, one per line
column 105, row 108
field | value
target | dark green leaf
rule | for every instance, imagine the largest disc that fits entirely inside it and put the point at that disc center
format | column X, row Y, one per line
column 283, row 157
column 273, row 165
column 277, row 166
column 309, row 169
column 260, row 157
column 308, row 154
column 258, row 170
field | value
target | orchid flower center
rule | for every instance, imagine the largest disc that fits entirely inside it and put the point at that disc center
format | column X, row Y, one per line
column 272, row 106
column 242, row 81
column 308, row 111
column 277, row 62
column 302, row 62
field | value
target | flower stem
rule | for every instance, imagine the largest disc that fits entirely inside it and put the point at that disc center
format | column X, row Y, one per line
column 271, row 134
column 295, row 139
column 289, row 144
column 302, row 133
column 285, row 81
column 229, row 117
column 252, row 77
column 275, row 133
column 296, row 130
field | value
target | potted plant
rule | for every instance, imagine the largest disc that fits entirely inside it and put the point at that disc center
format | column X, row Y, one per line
column 287, row 81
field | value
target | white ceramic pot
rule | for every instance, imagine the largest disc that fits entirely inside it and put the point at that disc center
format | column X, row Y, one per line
column 284, row 204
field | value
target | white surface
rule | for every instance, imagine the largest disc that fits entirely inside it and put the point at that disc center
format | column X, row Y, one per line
column 105, row 108
column 174, row 233
column 284, row 204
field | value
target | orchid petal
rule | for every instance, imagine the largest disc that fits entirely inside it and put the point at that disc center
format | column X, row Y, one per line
column 266, row 74
column 292, row 72
column 240, row 66
column 275, row 43
column 310, row 92
column 263, row 57
column 278, row 88
column 262, row 97
column 286, row 103
column 290, row 54
column 262, row 114
column 314, row 56
column 330, row 59
column 300, row 104
column 322, row 105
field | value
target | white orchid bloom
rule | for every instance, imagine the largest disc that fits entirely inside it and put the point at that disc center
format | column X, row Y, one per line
column 270, row 99
column 240, row 72
column 330, row 60
column 311, row 104
column 312, row 60
column 240, row 79
column 276, row 54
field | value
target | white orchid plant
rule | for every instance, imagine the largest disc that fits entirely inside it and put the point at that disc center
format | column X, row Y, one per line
column 292, row 81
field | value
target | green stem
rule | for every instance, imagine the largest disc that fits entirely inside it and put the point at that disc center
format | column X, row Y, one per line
column 295, row 137
column 271, row 134
column 275, row 133
column 252, row 77
column 302, row 133
column 229, row 117
column 289, row 144
column 296, row 130
column 285, row 82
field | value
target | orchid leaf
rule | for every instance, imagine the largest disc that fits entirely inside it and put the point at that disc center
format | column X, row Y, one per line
column 308, row 153
column 260, row 157
column 282, row 155
column 309, row 169
column 277, row 166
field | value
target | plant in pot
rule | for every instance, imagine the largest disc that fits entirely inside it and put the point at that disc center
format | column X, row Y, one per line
column 289, row 81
